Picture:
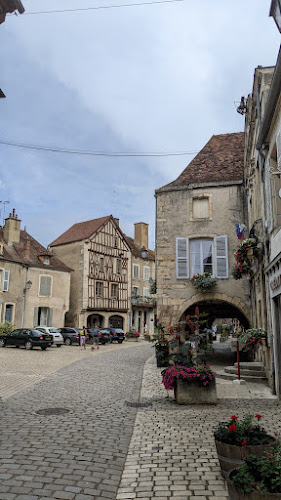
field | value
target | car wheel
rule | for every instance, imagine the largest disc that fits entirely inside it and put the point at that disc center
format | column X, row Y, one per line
column 67, row 342
column 2, row 343
column 43, row 348
column 58, row 345
column 28, row 345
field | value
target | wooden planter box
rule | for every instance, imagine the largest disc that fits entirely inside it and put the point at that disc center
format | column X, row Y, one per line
column 188, row 393
column 235, row 494
column 232, row 456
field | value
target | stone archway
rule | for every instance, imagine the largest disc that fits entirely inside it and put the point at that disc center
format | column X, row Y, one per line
column 218, row 306
column 95, row 320
column 116, row 321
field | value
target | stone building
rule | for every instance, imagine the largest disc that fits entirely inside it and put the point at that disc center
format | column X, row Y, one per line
column 34, row 285
column 143, row 303
column 100, row 256
column 263, row 182
column 195, row 233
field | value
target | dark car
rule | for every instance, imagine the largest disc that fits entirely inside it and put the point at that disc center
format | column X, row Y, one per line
column 103, row 335
column 70, row 335
column 117, row 335
column 27, row 337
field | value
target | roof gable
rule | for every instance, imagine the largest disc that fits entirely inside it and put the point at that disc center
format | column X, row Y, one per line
column 220, row 160
column 81, row 231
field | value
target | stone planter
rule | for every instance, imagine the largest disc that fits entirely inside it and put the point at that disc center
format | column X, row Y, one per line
column 232, row 456
column 132, row 339
column 235, row 494
column 188, row 393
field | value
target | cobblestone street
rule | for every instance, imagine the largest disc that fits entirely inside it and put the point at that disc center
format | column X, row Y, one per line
column 103, row 448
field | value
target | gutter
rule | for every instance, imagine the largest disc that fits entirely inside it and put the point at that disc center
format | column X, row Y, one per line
column 273, row 96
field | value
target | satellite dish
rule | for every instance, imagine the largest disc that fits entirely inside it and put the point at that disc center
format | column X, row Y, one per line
column 151, row 281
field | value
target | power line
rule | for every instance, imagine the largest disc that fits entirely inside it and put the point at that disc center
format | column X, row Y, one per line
column 101, row 7
column 54, row 149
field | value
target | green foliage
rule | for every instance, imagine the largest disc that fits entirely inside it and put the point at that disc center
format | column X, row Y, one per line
column 260, row 473
column 251, row 338
column 6, row 327
column 243, row 263
column 203, row 282
column 242, row 432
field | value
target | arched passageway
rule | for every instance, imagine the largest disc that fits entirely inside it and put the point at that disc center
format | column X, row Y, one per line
column 95, row 320
column 217, row 309
column 116, row 321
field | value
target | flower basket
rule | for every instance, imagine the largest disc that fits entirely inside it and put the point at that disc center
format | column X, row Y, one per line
column 193, row 384
column 237, row 439
column 203, row 282
column 237, row 494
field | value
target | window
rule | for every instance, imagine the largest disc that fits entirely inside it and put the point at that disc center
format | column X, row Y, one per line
column 99, row 289
column 101, row 264
column 201, row 256
column 118, row 266
column 45, row 286
column 201, row 207
column 9, row 312
column 114, row 291
column 6, row 278
column 146, row 273
column 145, row 292
column 136, row 270
column 46, row 260
column 135, row 291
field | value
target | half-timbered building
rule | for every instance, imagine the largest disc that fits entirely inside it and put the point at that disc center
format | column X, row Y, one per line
column 100, row 292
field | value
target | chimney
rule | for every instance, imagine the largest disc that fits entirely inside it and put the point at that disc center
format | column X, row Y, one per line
column 11, row 230
column 141, row 234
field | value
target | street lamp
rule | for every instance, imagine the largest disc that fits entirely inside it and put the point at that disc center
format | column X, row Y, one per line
column 143, row 252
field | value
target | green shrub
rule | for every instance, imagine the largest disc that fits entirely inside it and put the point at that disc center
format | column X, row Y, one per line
column 6, row 327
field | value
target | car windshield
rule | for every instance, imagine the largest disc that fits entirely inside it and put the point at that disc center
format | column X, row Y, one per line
column 53, row 330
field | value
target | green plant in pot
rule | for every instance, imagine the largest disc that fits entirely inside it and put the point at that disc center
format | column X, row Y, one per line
column 238, row 438
column 203, row 282
column 259, row 478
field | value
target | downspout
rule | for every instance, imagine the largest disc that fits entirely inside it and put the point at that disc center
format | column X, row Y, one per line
column 155, row 252
column 24, row 295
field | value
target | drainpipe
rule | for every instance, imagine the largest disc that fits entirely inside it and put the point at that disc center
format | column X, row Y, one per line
column 24, row 295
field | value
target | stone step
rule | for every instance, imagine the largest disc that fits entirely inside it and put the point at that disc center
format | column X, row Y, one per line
column 233, row 376
column 244, row 372
column 250, row 365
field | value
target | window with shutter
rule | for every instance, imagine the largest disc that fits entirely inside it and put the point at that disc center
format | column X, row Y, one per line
column 221, row 254
column 182, row 258
column 45, row 286
column 6, row 278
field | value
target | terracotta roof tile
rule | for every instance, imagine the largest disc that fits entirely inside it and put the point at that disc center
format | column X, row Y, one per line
column 136, row 249
column 221, row 159
column 80, row 231
column 28, row 251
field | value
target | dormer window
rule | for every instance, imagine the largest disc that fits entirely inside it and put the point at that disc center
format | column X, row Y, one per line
column 46, row 260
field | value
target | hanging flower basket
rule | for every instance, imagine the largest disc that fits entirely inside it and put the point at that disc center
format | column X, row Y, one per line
column 243, row 256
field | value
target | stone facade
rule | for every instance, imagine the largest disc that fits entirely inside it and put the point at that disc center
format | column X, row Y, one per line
column 34, row 285
column 143, row 303
column 202, row 205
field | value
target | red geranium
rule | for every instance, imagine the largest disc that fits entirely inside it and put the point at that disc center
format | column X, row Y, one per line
column 232, row 428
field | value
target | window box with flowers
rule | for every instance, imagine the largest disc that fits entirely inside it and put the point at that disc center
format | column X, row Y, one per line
column 259, row 478
column 243, row 256
column 238, row 438
column 203, row 282
column 191, row 384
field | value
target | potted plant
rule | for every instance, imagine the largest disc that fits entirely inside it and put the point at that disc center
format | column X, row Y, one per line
column 243, row 256
column 132, row 335
column 193, row 384
column 237, row 438
column 259, row 478
column 203, row 282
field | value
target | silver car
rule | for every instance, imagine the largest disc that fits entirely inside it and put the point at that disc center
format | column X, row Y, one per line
column 57, row 336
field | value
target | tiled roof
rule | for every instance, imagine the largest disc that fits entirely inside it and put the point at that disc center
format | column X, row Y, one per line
column 136, row 249
column 28, row 251
column 80, row 231
column 220, row 160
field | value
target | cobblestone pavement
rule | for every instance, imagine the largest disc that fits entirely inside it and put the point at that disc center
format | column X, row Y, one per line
column 20, row 368
column 77, row 455
column 172, row 453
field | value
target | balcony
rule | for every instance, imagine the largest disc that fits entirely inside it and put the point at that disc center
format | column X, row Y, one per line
column 142, row 301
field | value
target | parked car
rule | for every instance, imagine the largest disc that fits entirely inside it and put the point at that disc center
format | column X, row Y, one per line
column 70, row 335
column 27, row 337
column 103, row 334
column 117, row 335
column 57, row 336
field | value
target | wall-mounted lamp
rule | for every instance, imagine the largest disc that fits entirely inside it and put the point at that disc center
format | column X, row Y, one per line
column 143, row 252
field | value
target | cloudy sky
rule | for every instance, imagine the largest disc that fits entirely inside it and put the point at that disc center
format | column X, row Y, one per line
column 148, row 78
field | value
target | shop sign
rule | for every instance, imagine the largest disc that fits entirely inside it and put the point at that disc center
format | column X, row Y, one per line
column 275, row 283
